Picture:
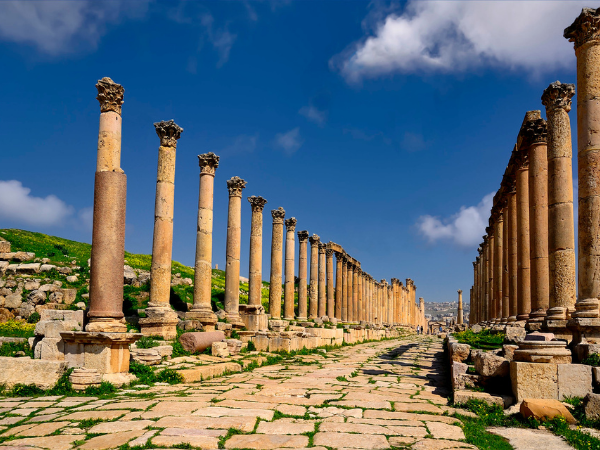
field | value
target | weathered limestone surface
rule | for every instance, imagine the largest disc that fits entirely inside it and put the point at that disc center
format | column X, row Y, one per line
column 302, row 275
column 276, row 258
column 288, row 299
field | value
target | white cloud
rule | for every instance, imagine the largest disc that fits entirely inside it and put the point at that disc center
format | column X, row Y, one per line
column 289, row 141
column 465, row 228
column 56, row 27
column 314, row 114
column 241, row 144
column 453, row 36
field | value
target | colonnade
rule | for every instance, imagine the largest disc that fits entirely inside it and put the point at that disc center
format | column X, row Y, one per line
column 349, row 295
column 525, row 267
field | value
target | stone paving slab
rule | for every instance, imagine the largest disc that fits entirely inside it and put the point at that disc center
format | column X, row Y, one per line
column 527, row 439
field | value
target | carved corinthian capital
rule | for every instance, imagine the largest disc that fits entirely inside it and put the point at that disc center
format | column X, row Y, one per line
column 278, row 215
column 257, row 203
column 208, row 163
column 329, row 253
column 535, row 132
column 314, row 239
column 303, row 235
column 558, row 95
column 110, row 95
column 322, row 247
column 586, row 27
column 235, row 186
column 290, row 224
column 168, row 132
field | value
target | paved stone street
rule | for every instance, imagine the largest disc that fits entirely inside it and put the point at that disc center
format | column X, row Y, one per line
column 370, row 396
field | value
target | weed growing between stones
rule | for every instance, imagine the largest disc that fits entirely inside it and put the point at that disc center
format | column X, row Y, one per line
column 147, row 342
column 146, row 375
column 230, row 432
column 12, row 348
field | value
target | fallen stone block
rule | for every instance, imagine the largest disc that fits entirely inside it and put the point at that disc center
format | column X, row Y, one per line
column 219, row 349
column 44, row 374
column 545, row 409
column 490, row 365
column 591, row 404
column 200, row 373
column 460, row 352
column 200, row 341
column 463, row 396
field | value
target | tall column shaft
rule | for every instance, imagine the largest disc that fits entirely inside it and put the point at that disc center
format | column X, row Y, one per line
column 202, row 308
column 523, row 244
column 288, row 295
column 561, row 233
column 512, row 254
column 108, row 235
column 459, row 314
column 322, row 281
column 232, row 261
column 344, row 290
column 302, row 275
column 313, row 289
column 355, row 294
column 504, row 269
column 276, row 258
column 330, row 286
column 255, row 265
column 349, row 281
column 538, row 219
column 498, row 263
column 338, row 285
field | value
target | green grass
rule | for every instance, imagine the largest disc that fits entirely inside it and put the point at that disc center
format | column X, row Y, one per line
column 484, row 340
column 17, row 328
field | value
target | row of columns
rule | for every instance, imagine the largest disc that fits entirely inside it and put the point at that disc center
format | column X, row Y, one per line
column 349, row 294
column 525, row 268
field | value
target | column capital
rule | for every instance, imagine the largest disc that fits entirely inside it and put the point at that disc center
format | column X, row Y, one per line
column 208, row 163
column 510, row 184
column 534, row 132
column 257, row 203
column 235, row 186
column 585, row 28
column 110, row 95
column 314, row 239
column 278, row 215
column 303, row 235
column 168, row 132
column 339, row 256
column 329, row 252
column 459, row 291
column 522, row 158
column 322, row 247
column 558, row 96
column 290, row 224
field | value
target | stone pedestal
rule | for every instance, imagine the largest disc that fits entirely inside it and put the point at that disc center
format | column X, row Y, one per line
column 202, row 308
column 554, row 352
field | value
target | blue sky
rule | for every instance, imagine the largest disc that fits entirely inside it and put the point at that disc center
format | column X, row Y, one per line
column 383, row 127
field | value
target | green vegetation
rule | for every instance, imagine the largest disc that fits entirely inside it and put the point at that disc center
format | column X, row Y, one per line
column 147, row 375
column 484, row 340
column 11, row 349
column 147, row 342
column 592, row 360
column 17, row 328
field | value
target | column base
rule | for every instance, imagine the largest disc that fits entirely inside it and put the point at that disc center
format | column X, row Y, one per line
column 549, row 352
column 106, row 325
column 203, row 314
column 511, row 319
column 587, row 308
column 556, row 313
column 559, row 329
column 235, row 320
column 301, row 318
column 255, row 322
column 160, row 321
column 523, row 317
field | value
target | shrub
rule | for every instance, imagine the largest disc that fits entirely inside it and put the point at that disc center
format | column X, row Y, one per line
column 34, row 318
column 147, row 342
column 17, row 328
column 484, row 340
column 11, row 349
column 592, row 360
column 168, row 376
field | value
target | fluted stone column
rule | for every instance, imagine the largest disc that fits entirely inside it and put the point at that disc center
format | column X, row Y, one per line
column 344, row 288
column 561, row 233
column 585, row 34
column 498, row 263
column 288, row 295
column 459, row 313
column 235, row 186
column 302, row 275
column 108, row 235
column 349, row 281
column 535, row 138
column 202, row 308
column 330, row 286
column 322, row 309
column 512, row 250
column 161, row 320
column 257, row 204
column 276, row 258
column 338, row 285
column 505, row 279
column 523, row 244
column 313, row 289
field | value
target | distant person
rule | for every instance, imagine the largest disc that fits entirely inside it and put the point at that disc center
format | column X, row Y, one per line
column 440, row 328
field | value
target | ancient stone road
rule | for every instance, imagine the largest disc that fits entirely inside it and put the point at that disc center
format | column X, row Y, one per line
column 371, row 396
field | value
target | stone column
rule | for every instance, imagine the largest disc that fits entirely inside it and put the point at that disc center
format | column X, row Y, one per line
column 561, row 234
column 459, row 313
column 302, row 275
column 511, row 192
column 161, row 320
column 535, row 139
column 355, row 270
column 505, row 280
column 322, row 309
column 235, row 186
column 108, row 235
column 487, row 278
column 255, row 267
column 585, row 33
column 313, row 290
column 491, row 259
column 344, row 289
column 498, row 264
column 276, row 258
column 474, row 298
column 421, row 311
column 523, row 245
column 349, row 281
column 338, row 285
column 361, row 316
column 330, row 286
column 202, row 308
column 288, row 295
